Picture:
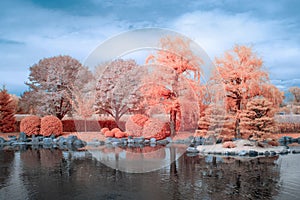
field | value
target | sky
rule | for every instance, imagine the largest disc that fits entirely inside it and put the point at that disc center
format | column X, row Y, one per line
column 35, row 29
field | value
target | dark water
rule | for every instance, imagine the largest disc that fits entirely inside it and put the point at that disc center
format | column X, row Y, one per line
column 56, row 174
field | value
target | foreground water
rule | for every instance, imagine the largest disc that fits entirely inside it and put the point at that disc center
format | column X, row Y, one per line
column 56, row 174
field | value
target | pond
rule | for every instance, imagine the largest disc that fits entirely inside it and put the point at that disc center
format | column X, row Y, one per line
column 60, row 174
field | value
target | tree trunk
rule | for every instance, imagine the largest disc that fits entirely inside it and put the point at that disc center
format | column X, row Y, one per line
column 237, row 122
column 173, row 114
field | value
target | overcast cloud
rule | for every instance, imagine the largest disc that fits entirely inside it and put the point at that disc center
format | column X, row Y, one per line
column 32, row 30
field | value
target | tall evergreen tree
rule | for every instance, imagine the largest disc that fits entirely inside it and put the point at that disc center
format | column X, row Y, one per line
column 7, row 111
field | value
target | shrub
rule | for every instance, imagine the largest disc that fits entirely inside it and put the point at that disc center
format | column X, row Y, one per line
column 51, row 125
column 228, row 145
column 120, row 134
column 115, row 130
column 154, row 128
column 134, row 125
column 30, row 125
column 109, row 134
column 103, row 130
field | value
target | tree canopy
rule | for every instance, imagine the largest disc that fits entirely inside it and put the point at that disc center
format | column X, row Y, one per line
column 51, row 81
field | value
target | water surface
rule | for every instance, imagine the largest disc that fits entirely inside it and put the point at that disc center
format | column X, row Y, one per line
column 56, row 174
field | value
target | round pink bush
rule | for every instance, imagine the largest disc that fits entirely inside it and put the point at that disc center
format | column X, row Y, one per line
column 103, row 130
column 154, row 128
column 30, row 125
column 51, row 125
column 109, row 134
column 134, row 125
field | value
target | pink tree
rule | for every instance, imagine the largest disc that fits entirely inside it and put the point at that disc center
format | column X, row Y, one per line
column 257, row 120
column 175, row 72
column 241, row 74
column 7, row 111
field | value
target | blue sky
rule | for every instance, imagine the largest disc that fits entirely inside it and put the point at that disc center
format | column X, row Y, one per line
column 35, row 29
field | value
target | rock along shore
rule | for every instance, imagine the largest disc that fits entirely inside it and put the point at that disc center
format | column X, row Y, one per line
column 243, row 148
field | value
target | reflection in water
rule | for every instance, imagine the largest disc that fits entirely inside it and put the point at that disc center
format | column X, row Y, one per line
column 53, row 174
column 44, row 157
column 138, row 159
column 6, row 158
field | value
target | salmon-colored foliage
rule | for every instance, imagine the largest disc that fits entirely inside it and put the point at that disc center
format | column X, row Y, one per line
column 120, row 134
column 175, row 72
column 109, row 134
column 154, row 128
column 139, row 119
column 240, row 72
column 257, row 120
column 7, row 112
column 103, row 130
column 228, row 145
column 216, row 122
column 51, row 125
column 30, row 125
column 135, row 124
column 114, row 130
column 288, row 127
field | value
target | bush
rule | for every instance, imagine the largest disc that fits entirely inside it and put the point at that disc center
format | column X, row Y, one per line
column 135, row 124
column 103, row 130
column 30, row 125
column 51, row 125
column 154, row 128
column 109, row 134
column 228, row 145
column 288, row 127
column 120, row 134
column 115, row 130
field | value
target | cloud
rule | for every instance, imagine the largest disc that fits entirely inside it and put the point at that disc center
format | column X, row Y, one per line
column 32, row 30
column 217, row 31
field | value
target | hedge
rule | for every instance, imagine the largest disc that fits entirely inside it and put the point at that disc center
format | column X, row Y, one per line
column 91, row 125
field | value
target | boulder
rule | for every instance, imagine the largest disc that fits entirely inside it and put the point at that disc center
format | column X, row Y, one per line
column 61, row 141
column 243, row 153
column 12, row 137
column 34, row 139
column 70, row 139
column 152, row 140
column 192, row 150
column 2, row 140
column 162, row 142
column 139, row 140
column 22, row 137
column 253, row 153
column 47, row 141
column 79, row 143
column 285, row 139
